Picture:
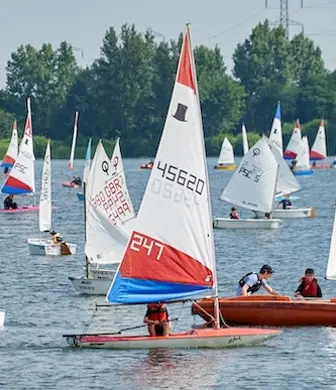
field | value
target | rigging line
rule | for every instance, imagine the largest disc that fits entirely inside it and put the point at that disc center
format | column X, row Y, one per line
column 237, row 24
column 320, row 5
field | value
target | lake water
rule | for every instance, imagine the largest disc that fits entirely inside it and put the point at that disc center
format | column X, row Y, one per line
column 41, row 304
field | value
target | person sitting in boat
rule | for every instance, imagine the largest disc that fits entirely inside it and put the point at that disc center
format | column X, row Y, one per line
column 6, row 170
column 268, row 215
column 285, row 202
column 157, row 319
column 9, row 203
column 308, row 288
column 234, row 214
column 292, row 166
column 76, row 180
column 314, row 164
column 252, row 282
column 151, row 163
column 56, row 238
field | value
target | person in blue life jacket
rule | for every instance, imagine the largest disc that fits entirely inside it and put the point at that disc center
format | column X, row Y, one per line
column 252, row 282
column 285, row 202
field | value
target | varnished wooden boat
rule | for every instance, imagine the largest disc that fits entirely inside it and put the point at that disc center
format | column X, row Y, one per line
column 270, row 310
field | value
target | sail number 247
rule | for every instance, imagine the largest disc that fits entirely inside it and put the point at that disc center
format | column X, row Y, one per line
column 151, row 247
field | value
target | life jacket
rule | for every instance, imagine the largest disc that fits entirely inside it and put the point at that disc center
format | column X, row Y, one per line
column 157, row 312
column 234, row 215
column 309, row 288
column 253, row 288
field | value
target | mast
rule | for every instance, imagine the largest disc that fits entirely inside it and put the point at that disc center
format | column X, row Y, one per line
column 216, row 300
column 85, row 232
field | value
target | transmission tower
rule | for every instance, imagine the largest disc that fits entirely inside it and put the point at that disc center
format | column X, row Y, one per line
column 284, row 20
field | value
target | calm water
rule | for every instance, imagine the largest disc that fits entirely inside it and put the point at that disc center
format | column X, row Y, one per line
column 41, row 305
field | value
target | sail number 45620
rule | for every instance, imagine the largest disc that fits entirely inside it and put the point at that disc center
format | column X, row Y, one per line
column 152, row 248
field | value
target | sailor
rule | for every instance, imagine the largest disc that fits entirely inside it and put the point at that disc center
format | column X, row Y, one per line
column 234, row 214
column 252, row 282
column 56, row 237
column 6, row 170
column 151, row 163
column 285, row 202
column 157, row 319
column 9, row 204
column 308, row 287
column 76, row 180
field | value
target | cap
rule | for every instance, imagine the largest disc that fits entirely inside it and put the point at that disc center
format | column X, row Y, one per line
column 266, row 268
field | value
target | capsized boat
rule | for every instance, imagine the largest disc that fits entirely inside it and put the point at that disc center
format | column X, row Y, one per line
column 276, row 131
column 294, row 144
column 252, row 187
column 108, row 214
column 69, row 183
column 12, row 151
column 41, row 246
column 226, row 157
column 162, row 264
column 22, row 181
column 87, row 166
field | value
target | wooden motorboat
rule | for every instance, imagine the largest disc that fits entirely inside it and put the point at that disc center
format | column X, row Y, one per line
column 225, row 167
column 270, row 310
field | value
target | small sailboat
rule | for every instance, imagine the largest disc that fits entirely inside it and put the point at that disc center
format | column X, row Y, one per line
column 294, row 144
column 148, row 165
column 69, row 183
column 12, row 151
column 21, row 179
column 41, row 246
column 252, row 187
column 319, row 149
column 302, row 166
column 2, row 318
column 162, row 264
column 276, row 132
column 245, row 141
column 108, row 215
column 80, row 195
column 226, row 157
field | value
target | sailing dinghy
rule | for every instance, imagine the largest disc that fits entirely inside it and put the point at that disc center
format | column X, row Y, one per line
column 2, row 318
column 276, row 132
column 252, row 187
column 245, row 141
column 41, row 246
column 226, row 157
column 69, row 183
column 319, row 148
column 80, row 195
column 21, row 179
column 294, row 144
column 12, row 151
column 302, row 166
column 170, row 254
column 108, row 215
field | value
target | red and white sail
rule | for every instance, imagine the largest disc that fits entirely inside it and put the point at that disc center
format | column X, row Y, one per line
column 12, row 151
column 294, row 144
column 170, row 254
column 21, row 179
column 319, row 148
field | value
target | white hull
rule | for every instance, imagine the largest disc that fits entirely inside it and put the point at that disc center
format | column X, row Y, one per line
column 226, row 338
column 2, row 319
column 40, row 247
column 252, row 223
column 291, row 213
column 91, row 286
column 102, row 273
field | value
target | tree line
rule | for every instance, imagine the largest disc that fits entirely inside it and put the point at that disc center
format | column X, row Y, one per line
column 126, row 91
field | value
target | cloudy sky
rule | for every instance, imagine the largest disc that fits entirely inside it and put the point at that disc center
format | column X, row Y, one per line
column 225, row 22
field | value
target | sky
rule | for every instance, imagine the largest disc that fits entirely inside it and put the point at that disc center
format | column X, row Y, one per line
column 83, row 23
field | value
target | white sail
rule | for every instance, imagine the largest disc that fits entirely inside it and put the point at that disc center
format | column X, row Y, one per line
column 319, row 148
column 245, row 141
column 331, row 268
column 276, row 132
column 294, row 144
column 12, row 151
column 21, row 179
column 226, row 155
column 170, row 253
column 252, row 186
column 87, row 162
column 73, row 146
column 286, row 182
column 45, row 195
column 107, row 210
column 302, row 160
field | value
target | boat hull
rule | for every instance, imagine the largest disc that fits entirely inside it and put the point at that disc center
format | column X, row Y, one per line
column 68, row 184
column 101, row 273
column 24, row 209
column 80, row 196
column 307, row 172
column 40, row 247
column 90, row 286
column 146, row 166
column 230, row 167
column 253, row 223
column 200, row 338
column 307, row 212
column 270, row 310
column 2, row 318
column 322, row 166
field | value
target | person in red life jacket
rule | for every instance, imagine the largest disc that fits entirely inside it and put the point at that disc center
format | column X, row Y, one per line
column 158, row 320
column 234, row 214
column 309, row 287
